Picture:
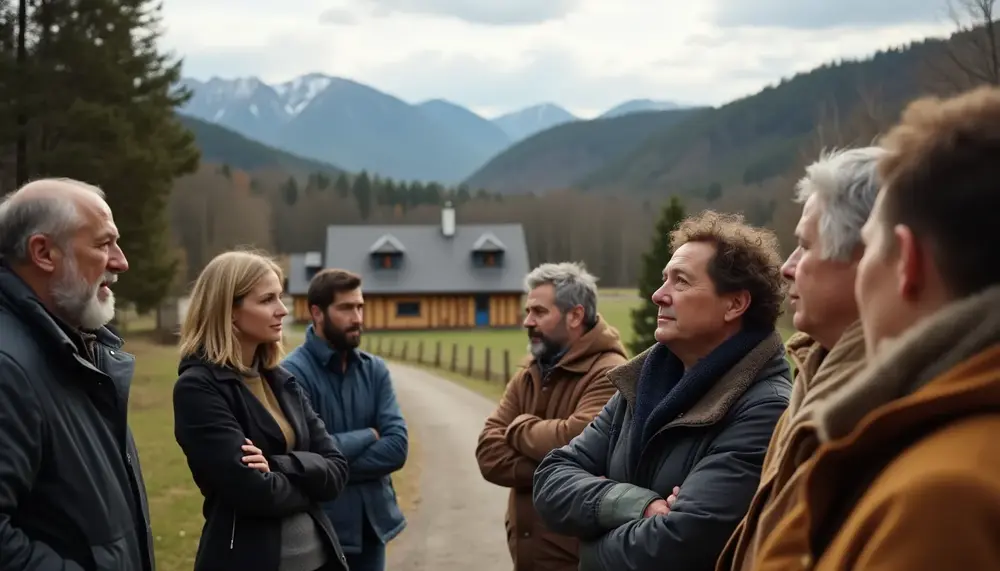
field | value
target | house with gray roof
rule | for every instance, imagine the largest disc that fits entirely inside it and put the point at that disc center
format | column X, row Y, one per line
column 424, row 276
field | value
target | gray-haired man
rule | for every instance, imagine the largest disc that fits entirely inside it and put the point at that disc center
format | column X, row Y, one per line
column 550, row 401
column 837, row 195
column 71, row 491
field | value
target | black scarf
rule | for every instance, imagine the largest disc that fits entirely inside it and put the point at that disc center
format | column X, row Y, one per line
column 665, row 389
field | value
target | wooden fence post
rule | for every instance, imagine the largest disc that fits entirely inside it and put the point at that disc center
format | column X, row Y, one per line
column 405, row 344
column 472, row 356
column 506, row 365
column 489, row 362
column 392, row 348
column 420, row 352
column 437, row 356
column 378, row 347
column 454, row 357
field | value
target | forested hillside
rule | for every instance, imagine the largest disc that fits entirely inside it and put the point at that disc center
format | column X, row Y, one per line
column 756, row 138
column 224, row 146
column 558, row 157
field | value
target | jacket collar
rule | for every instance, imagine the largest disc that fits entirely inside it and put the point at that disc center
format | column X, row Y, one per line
column 763, row 361
column 23, row 302
column 895, row 379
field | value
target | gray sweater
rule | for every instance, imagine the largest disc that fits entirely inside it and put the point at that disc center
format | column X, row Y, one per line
column 301, row 544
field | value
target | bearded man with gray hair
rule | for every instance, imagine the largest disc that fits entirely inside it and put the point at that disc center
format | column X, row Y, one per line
column 551, row 400
column 71, row 490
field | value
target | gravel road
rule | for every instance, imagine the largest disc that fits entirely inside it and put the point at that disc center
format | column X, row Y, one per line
column 458, row 525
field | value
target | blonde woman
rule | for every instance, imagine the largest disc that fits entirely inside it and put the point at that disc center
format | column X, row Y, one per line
column 259, row 453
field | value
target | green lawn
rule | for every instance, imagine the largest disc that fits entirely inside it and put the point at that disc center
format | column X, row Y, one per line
column 502, row 343
column 174, row 501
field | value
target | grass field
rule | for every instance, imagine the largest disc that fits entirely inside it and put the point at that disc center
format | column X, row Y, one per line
column 175, row 502
column 614, row 307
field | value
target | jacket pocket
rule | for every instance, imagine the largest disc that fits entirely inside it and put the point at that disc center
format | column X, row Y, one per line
column 121, row 553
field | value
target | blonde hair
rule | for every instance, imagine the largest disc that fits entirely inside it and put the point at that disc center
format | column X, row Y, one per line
column 207, row 331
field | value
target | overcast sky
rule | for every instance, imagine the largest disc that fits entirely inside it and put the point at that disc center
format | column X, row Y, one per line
column 495, row 56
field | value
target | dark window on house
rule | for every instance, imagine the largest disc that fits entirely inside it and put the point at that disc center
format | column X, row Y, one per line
column 408, row 309
column 487, row 259
column 387, row 261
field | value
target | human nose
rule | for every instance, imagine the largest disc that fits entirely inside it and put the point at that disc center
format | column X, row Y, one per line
column 788, row 268
column 117, row 262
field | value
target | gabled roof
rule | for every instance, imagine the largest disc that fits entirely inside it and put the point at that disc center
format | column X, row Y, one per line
column 435, row 263
column 488, row 243
column 387, row 244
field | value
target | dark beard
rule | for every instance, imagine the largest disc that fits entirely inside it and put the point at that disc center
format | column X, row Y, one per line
column 550, row 346
column 338, row 339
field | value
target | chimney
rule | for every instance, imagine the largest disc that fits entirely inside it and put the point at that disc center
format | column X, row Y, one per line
column 448, row 220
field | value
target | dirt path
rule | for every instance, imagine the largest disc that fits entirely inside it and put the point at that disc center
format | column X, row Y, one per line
column 458, row 525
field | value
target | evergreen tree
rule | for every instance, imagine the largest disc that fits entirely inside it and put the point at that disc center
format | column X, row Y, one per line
column 101, row 110
column 8, row 93
column 651, row 276
column 290, row 191
column 343, row 186
column 362, row 189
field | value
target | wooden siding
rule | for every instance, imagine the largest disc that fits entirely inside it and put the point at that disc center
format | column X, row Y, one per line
column 435, row 311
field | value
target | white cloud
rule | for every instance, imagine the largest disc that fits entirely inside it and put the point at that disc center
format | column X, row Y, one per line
column 826, row 14
column 501, row 13
column 586, row 59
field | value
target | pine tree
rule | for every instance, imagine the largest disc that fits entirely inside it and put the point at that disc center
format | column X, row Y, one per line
column 343, row 186
column 102, row 110
column 651, row 276
column 362, row 189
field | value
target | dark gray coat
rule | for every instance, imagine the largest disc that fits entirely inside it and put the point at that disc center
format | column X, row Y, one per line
column 714, row 452
column 71, row 491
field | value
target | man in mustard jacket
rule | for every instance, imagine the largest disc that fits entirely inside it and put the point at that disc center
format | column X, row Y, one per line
column 907, row 477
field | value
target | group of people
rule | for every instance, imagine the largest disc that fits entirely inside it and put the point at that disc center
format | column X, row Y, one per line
column 293, row 454
column 706, row 451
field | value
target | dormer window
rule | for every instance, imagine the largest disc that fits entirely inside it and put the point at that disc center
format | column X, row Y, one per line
column 488, row 251
column 387, row 252
column 314, row 263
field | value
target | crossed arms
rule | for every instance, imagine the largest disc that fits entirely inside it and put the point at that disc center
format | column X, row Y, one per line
column 573, row 498
column 512, row 442
column 212, row 439
column 382, row 449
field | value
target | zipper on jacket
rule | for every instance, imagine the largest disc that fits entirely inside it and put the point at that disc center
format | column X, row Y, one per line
column 232, row 533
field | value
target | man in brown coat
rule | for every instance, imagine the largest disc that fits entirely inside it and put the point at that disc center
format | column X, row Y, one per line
column 907, row 477
column 837, row 193
column 550, row 401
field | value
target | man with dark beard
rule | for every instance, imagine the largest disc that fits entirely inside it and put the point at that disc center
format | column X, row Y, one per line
column 348, row 388
column 71, row 491
column 560, row 390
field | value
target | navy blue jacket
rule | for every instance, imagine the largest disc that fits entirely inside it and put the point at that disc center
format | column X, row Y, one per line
column 351, row 403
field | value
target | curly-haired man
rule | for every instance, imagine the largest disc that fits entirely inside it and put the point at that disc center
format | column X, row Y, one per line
column 695, row 410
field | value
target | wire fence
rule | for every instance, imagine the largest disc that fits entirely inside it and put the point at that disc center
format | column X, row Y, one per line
column 469, row 360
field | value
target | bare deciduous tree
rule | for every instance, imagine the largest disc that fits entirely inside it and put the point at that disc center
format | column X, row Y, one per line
column 971, row 57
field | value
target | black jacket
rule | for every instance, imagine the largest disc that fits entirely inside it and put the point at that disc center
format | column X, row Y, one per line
column 214, row 412
column 71, row 490
column 714, row 452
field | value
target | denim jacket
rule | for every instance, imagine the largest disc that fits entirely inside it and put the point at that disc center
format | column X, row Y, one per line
column 351, row 403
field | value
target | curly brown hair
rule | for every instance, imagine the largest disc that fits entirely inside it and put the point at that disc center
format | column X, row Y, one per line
column 746, row 258
column 940, row 177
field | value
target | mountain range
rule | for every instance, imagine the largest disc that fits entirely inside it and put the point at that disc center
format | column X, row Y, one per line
column 642, row 148
column 357, row 127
